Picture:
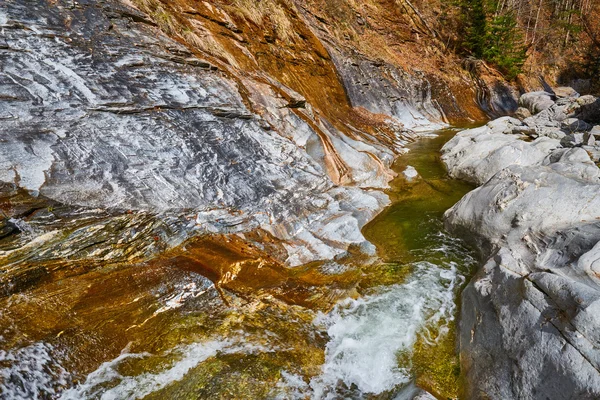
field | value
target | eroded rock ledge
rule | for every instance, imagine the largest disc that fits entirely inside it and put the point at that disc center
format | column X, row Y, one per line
column 530, row 321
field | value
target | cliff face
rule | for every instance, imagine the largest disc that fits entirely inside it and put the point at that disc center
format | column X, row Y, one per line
column 271, row 116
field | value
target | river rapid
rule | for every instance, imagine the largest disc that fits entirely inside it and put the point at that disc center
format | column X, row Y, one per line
column 359, row 327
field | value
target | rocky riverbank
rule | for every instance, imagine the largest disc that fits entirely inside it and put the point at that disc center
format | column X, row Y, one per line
column 529, row 321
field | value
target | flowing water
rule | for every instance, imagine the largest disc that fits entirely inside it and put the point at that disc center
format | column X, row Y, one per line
column 168, row 329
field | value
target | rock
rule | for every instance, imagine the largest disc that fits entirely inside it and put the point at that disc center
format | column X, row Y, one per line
column 572, row 140
column 566, row 92
column 586, row 100
column 589, row 139
column 589, row 109
column 385, row 89
column 570, row 125
column 533, row 307
column 503, row 125
column 410, row 173
column 550, row 132
column 529, row 307
column 522, row 113
column 478, row 154
column 595, row 131
column 536, row 102
column 126, row 118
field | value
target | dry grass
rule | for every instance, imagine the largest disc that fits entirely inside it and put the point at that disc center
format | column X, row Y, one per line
column 262, row 12
column 191, row 32
column 203, row 40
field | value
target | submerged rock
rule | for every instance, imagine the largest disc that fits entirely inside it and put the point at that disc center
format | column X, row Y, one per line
column 529, row 322
column 410, row 173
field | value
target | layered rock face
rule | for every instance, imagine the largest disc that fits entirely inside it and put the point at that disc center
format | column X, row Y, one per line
column 100, row 109
column 529, row 320
column 207, row 111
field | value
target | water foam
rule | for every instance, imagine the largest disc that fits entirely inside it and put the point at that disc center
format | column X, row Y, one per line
column 107, row 383
column 367, row 334
column 31, row 373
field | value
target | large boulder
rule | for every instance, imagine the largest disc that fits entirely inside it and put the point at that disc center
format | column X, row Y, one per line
column 589, row 108
column 476, row 155
column 536, row 102
column 531, row 315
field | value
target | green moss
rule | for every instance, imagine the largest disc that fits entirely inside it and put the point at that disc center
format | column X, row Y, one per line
column 436, row 366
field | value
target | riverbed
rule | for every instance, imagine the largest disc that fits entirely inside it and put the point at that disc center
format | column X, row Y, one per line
column 358, row 327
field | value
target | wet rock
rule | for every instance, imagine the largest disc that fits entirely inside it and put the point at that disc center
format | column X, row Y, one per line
column 410, row 173
column 387, row 90
column 114, row 114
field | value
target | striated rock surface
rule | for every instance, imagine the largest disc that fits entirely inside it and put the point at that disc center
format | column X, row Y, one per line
column 239, row 118
column 101, row 110
column 529, row 317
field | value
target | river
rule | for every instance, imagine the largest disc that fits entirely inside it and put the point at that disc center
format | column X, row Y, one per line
column 359, row 327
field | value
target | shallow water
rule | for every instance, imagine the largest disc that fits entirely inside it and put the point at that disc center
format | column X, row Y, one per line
column 181, row 328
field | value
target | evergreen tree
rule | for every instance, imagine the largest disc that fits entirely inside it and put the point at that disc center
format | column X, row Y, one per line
column 504, row 45
column 493, row 36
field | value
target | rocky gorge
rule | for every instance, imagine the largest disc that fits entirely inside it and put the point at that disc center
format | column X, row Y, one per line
column 192, row 206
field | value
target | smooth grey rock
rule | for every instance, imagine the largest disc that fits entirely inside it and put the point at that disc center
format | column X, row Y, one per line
column 478, row 154
column 572, row 140
column 536, row 102
column 565, row 92
column 574, row 125
column 527, row 309
column 589, row 139
column 504, row 125
column 531, row 315
column 410, row 173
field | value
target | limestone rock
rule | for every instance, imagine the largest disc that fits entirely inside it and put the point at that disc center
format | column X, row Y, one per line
column 565, row 91
column 589, row 139
column 589, row 109
column 529, row 318
column 572, row 140
column 536, row 102
column 410, row 173
column 111, row 113
column 522, row 113
column 574, row 125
